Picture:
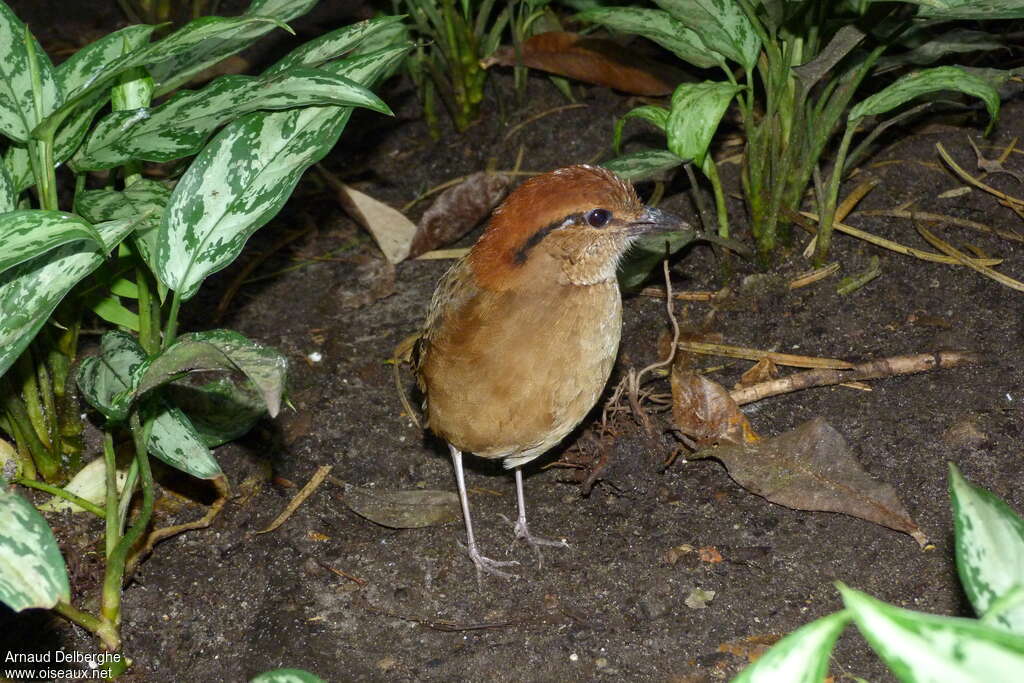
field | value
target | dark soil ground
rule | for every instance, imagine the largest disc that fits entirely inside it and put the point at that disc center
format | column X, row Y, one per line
column 223, row 604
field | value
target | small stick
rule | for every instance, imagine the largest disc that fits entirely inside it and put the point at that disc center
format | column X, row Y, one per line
column 658, row 293
column 813, row 276
column 516, row 128
column 942, row 218
column 969, row 262
column 442, row 254
column 876, row 369
column 311, row 486
column 967, row 177
column 756, row 355
column 343, row 574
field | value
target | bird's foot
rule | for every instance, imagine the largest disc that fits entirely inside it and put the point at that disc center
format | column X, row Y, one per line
column 486, row 564
column 522, row 533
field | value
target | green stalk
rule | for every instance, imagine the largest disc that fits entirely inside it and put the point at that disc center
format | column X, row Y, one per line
column 113, row 527
column 110, row 606
column 42, row 150
column 60, row 493
column 18, row 425
column 149, row 324
column 106, row 632
column 827, row 204
column 716, row 186
column 171, row 331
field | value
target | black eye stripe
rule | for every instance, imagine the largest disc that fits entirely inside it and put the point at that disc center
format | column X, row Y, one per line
column 595, row 218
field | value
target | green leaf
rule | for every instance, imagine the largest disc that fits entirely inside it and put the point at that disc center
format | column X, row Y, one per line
column 929, row 80
column 647, row 252
column 221, row 410
column 696, row 111
column 18, row 112
column 32, row 572
column 971, row 9
column 173, row 70
column 31, row 233
column 18, row 167
column 800, row 657
column 331, row 45
column 957, row 40
column 29, row 292
column 176, row 442
column 8, row 195
column 179, row 127
column 989, row 549
column 114, row 312
column 142, row 198
column 644, row 164
column 107, row 381
column 655, row 115
column 220, row 350
column 926, row 647
column 79, row 70
column 722, row 26
column 659, row 26
column 287, row 676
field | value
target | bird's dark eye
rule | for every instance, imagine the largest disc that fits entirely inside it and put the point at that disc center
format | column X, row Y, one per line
column 598, row 218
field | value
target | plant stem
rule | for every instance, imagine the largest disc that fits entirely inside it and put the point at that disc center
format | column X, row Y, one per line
column 827, row 204
column 148, row 327
column 171, row 331
column 711, row 172
column 60, row 493
column 108, row 634
column 110, row 607
column 113, row 526
column 41, row 150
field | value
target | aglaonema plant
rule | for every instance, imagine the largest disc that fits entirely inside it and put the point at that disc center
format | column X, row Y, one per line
column 927, row 647
column 794, row 69
column 135, row 251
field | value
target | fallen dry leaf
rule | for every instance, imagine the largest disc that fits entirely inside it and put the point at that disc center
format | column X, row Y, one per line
column 458, row 210
column 762, row 371
column 591, row 60
column 404, row 509
column 813, row 468
column 751, row 647
column 710, row 554
column 390, row 228
column 699, row 598
column 704, row 411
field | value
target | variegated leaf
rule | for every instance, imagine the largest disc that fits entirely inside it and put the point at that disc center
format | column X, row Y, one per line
column 644, row 164
column 85, row 66
column 107, row 381
column 659, row 26
column 32, row 572
column 287, row 676
column 331, row 45
column 179, row 127
column 800, row 657
column 926, row 647
column 220, row 350
column 29, row 292
column 653, row 114
column 172, row 70
column 696, row 111
column 180, row 42
column 977, row 10
column 144, row 197
column 722, row 26
column 221, row 410
column 927, row 81
column 18, row 113
column 989, row 550
column 19, row 167
column 8, row 195
column 31, row 233
column 176, row 442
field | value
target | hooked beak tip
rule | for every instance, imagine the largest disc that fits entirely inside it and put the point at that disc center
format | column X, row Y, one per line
column 656, row 220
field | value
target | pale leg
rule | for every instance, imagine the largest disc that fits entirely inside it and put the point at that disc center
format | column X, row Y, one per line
column 521, row 529
column 482, row 563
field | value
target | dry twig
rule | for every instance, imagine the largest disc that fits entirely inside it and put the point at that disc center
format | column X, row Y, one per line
column 311, row 486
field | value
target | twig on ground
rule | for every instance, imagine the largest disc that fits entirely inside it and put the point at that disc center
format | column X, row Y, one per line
column 311, row 486
column 942, row 218
column 536, row 117
column 813, row 276
column 949, row 249
column 787, row 359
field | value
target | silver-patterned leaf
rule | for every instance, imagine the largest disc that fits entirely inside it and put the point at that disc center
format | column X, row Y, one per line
column 331, row 45
column 176, row 442
column 287, row 676
column 219, row 350
column 31, row 233
column 977, row 10
column 144, row 197
column 8, row 194
column 722, row 26
column 697, row 109
column 653, row 114
column 29, row 292
column 18, row 113
column 662, row 28
column 107, row 380
column 173, row 70
column 87, row 64
column 989, row 549
column 644, row 164
column 32, row 572
column 926, row 647
column 221, row 410
column 19, row 167
column 800, row 657
column 179, row 127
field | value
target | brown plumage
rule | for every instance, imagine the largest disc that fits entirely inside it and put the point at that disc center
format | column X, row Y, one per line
column 522, row 333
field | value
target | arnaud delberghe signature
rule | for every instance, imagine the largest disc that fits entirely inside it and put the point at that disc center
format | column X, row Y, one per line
column 60, row 656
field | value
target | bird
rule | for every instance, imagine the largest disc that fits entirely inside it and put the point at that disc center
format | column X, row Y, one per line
column 522, row 332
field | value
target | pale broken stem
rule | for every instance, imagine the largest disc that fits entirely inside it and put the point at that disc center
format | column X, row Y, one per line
column 787, row 359
column 658, row 293
column 403, row 354
column 813, row 276
column 843, row 210
column 900, row 248
column 968, row 178
column 942, row 218
column 223, row 493
column 441, row 254
column 948, row 248
column 634, row 379
column 876, row 369
column 307, row 490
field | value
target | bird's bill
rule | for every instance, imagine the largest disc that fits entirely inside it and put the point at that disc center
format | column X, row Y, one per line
column 656, row 220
